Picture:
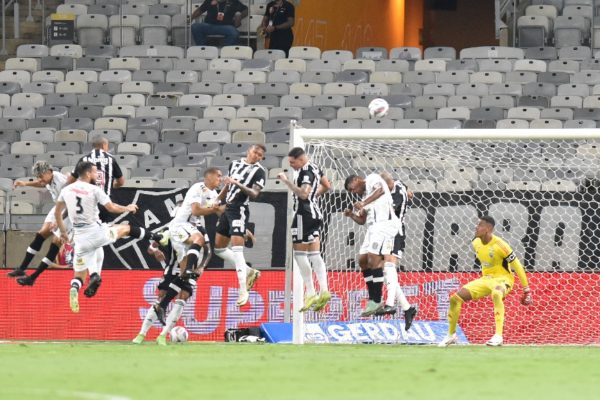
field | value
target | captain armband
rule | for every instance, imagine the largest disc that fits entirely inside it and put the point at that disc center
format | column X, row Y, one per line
column 511, row 257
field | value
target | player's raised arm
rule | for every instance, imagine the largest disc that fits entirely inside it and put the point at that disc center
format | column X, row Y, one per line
column 252, row 192
column 302, row 192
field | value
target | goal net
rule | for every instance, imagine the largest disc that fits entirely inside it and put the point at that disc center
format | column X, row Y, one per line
column 541, row 187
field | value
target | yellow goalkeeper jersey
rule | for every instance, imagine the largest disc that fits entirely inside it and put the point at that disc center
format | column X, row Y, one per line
column 498, row 260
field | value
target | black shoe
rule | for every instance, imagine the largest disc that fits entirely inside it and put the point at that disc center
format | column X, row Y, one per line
column 26, row 280
column 93, row 286
column 160, row 313
column 157, row 237
column 16, row 273
column 409, row 316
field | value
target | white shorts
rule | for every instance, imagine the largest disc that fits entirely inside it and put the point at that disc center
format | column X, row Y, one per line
column 52, row 220
column 88, row 243
column 380, row 238
column 180, row 233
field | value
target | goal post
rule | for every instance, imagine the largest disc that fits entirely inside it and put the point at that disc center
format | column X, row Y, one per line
column 541, row 186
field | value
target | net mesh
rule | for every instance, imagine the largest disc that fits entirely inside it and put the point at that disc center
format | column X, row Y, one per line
column 543, row 195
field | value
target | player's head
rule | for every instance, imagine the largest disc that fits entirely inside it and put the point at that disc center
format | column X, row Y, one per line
column 86, row 171
column 485, row 226
column 212, row 177
column 43, row 171
column 100, row 142
column 297, row 158
column 255, row 153
column 387, row 177
column 355, row 184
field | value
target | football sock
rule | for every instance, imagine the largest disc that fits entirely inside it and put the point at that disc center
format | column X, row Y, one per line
column 320, row 270
column 141, row 233
column 226, row 254
column 454, row 312
column 77, row 283
column 174, row 316
column 390, row 278
column 368, row 277
column 32, row 250
column 148, row 321
column 193, row 255
column 172, row 292
column 46, row 261
column 240, row 265
column 377, row 284
column 498, row 310
column 305, row 271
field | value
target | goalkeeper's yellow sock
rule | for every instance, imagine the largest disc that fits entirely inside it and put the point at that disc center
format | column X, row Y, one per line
column 454, row 312
column 497, row 298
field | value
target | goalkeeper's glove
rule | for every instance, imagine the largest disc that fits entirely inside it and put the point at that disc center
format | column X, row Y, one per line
column 526, row 298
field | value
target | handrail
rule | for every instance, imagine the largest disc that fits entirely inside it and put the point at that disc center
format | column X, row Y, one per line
column 17, row 28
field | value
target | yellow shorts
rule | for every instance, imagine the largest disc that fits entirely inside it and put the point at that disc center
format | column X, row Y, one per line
column 483, row 286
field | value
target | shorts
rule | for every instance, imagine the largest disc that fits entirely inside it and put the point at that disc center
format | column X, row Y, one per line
column 483, row 286
column 233, row 222
column 379, row 239
column 399, row 245
column 52, row 220
column 305, row 228
column 182, row 232
column 88, row 243
column 171, row 282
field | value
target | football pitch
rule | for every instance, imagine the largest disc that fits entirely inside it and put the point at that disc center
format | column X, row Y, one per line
column 119, row 371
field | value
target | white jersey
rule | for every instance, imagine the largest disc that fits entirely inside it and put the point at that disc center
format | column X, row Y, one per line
column 58, row 182
column 382, row 209
column 82, row 201
column 200, row 194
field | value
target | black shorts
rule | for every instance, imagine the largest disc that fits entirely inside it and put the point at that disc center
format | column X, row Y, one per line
column 305, row 228
column 233, row 222
column 172, row 281
column 399, row 244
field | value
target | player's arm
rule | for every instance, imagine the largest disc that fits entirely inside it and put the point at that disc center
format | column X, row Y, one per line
column 251, row 192
column 119, row 209
column 36, row 183
column 360, row 219
column 153, row 250
column 515, row 265
column 119, row 180
column 377, row 193
column 198, row 210
column 59, row 208
column 302, row 192
column 324, row 186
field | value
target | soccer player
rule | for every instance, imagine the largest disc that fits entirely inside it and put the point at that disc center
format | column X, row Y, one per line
column 376, row 210
column 245, row 180
column 498, row 262
column 53, row 181
column 307, row 187
column 109, row 173
column 400, row 197
column 81, row 200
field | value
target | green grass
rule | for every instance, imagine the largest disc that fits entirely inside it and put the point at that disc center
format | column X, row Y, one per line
column 101, row 371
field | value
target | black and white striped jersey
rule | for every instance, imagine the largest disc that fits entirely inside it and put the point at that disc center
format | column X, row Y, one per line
column 108, row 169
column 170, row 264
column 248, row 175
column 400, row 201
column 311, row 175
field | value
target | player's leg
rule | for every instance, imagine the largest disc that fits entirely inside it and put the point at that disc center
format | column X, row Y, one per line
column 35, row 246
column 176, row 311
column 46, row 261
column 301, row 257
column 149, row 319
column 195, row 243
column 498, row 295
column 311, row 236
column 122, row 230
column 80, row 262
column 222, row 239
column 95, row 269
column 375, row 263
column 472, row 290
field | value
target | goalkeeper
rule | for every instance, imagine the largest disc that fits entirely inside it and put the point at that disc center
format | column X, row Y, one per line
column 498, row 262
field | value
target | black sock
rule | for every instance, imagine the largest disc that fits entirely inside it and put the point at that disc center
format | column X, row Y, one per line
column 49, row 259
column 171, row 293
column 137, row 232
column 377, row 284
column 77, row 283
column 193, row 255
column 32, row 250
column 368, row 275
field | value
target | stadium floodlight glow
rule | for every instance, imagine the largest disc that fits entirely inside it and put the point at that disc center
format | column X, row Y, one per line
column 539, row 185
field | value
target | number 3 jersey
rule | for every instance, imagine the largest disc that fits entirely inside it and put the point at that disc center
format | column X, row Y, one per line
column 82, row 200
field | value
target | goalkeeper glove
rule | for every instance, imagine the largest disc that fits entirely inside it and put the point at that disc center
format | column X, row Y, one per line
column 526, row 298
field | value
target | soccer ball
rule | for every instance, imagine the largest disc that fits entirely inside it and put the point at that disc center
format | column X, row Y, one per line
column 179, row 334
column 378, row 108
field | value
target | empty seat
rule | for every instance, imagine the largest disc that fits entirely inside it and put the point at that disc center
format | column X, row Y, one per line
column 154, row 29
column 570, row 31
column 91, row 29
column 533, row 30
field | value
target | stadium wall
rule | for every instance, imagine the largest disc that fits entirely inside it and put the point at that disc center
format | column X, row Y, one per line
column 564, row 310
column 350, row 24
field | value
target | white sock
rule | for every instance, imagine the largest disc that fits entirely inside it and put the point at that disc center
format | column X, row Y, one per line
column 305, row 271
column 393, row 286
column 148, row 321
column 174, row 316
column 391, row 282
column 240, row 266
column 226, row 254
column 320, row 270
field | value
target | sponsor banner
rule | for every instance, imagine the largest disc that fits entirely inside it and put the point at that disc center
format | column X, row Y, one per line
column 353, row 332
column 156, row 211
column 565, row 308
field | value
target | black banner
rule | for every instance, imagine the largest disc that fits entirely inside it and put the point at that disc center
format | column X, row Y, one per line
column 155, row 212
